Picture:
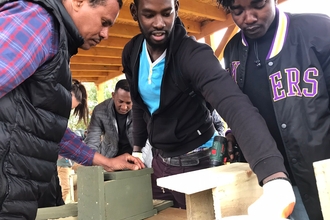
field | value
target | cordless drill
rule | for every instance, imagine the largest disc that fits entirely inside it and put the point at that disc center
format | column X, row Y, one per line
column 218, row 151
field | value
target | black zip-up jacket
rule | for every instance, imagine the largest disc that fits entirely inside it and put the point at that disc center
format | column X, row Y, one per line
column 180, row 124
column 33, row 119
column 298, row 68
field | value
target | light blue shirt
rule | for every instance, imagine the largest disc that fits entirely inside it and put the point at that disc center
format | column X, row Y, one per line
column 150, row 81
column 150, row 78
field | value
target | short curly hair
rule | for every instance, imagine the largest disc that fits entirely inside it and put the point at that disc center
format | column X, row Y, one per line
column 225, row 4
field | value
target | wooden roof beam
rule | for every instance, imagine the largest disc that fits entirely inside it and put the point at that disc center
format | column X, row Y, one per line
column 192, row 26
column 211, row 27
column 231, row 31
column 101, row 52
column 93, row 68
column 202, row 10
column 87, row 79
column 104, row 79
column 90, row 74
column 96, row 61
column 114, row 42
column 123, row 30
column 126, row 17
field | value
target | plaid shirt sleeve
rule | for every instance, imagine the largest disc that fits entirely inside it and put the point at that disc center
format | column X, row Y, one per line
column 73, row 148
column 27, row 40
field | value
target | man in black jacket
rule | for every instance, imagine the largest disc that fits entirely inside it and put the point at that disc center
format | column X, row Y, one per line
column 177, row 124
column 38, row 37
column 282, row 62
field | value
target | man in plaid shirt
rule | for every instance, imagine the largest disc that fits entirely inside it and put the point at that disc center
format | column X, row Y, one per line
column 37, row 39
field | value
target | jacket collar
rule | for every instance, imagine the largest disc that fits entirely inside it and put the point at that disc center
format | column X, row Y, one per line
column 178, row 33
column 75, row 40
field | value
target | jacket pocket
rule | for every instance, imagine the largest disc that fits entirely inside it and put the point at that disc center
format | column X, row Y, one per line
column 164, row 135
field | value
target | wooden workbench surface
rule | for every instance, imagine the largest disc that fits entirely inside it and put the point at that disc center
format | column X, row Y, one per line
column 170, row 213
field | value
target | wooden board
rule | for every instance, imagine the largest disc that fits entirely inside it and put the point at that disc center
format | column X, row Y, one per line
column 67, row 210
column 216, row 192
column 235, row 198
column 207, row 178
column 322, row 175
column 160, row 205
column 171, row 214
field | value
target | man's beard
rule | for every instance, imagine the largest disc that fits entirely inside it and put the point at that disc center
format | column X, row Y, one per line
column 156, row 46
column 152, row 44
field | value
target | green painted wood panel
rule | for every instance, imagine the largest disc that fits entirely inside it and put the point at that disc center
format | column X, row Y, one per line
column 90, row 188
column 128, row 197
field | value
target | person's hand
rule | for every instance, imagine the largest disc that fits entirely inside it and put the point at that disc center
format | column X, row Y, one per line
column 122, row 162
column 277, row 201
column 231, row 142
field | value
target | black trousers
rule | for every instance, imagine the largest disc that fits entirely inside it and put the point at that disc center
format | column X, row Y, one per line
column 162, row 169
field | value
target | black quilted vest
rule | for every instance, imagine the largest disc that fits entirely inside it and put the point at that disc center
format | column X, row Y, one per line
column 33, row 119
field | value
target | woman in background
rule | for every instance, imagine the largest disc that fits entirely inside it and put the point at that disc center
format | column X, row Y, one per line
column 80, row 109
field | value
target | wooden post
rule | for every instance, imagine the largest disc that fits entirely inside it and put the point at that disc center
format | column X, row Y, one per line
column 322, row 175
column 100, row 92
column 200, row 205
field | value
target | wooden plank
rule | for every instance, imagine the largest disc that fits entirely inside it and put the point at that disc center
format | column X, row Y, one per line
column 322, row 175
column 207, row 178
column 142, row 215
column 236, row 197
column 231, row 31
column 57, row 212
column 171, row 214
column 213, row 26
column 114, row 42
column 160, row 205
column 234, row 187
column 95, row 60
column 101, row 52
column 89, row 74
column 93, row 68
column 201, row 9
column 200, row 205
column 123, row 30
